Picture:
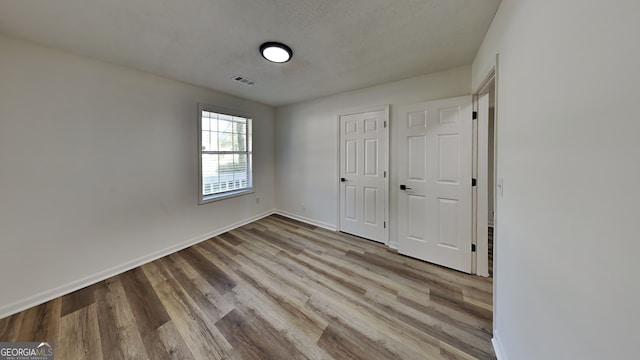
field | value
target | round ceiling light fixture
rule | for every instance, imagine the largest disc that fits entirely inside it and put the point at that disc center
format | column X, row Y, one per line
column 276, row 52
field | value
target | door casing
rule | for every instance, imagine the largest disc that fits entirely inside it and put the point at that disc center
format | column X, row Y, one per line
column 480, row 195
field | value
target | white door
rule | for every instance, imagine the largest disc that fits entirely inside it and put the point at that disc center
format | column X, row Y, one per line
column 434, row 170
column 363, row 184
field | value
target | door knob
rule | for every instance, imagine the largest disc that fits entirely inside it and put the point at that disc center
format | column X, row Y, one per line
column 343, row 180
column 404, row 187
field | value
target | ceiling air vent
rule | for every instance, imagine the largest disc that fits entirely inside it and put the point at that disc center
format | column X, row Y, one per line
column 243, row 80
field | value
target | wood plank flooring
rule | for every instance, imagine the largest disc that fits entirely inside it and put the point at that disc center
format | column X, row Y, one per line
column 273, row 289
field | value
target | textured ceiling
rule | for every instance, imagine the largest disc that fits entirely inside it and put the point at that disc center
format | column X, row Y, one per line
column 338, row 45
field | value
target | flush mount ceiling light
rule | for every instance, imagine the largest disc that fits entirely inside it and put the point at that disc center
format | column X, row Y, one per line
column 276, row 52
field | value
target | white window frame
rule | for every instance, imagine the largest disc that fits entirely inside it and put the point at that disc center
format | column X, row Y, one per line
column 204, row 199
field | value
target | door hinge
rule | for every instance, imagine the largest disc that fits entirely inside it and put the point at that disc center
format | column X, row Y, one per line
column 474, row 182
column 385, row 123
column 385, row 174
column 473, row 247
column 385, row 224
column 474, row 115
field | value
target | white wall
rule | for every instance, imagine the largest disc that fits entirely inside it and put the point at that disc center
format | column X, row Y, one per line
column 307, row 142
column 567, row 282
column 98, row 170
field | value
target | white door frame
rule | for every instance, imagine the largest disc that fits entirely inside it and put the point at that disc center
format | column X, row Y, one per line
column 384, row 108
column 480, row 196
column 481, row 210
column 492, row 74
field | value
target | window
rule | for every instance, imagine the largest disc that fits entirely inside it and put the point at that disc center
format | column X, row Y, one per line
column 225, row 154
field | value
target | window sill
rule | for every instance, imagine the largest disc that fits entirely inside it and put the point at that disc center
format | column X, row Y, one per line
column 226, row 195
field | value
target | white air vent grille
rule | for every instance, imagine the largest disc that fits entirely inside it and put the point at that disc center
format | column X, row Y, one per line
column 243, row 80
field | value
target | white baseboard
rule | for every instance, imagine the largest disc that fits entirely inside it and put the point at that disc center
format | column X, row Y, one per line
column 51, row 294
column 497, row 347
column 307, row 220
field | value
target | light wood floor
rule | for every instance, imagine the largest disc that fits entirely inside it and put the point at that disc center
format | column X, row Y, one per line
column 273, row 289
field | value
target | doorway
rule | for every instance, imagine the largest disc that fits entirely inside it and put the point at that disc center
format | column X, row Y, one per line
column 445, row 169
column 485, row 173
column 491, row 174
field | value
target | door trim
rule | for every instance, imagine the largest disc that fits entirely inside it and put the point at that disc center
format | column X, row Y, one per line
column 493, row 74
column 385, row 109
column 481, row 208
